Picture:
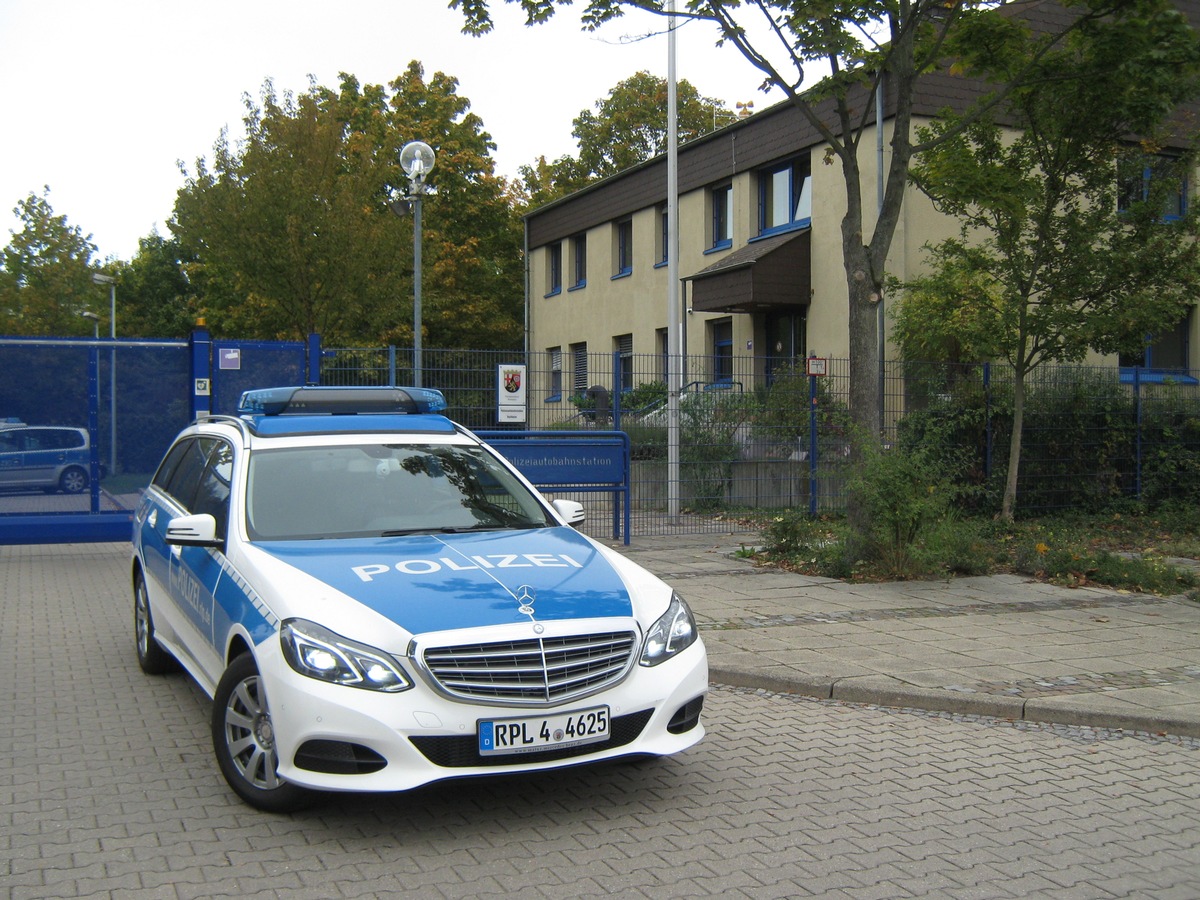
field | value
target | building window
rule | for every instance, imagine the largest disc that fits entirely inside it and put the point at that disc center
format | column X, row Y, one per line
column 555, row 394
column 623, row 248
column 623, row 344
column 662, row 251
column 554, row 268
column 722, row 351
column 578, row 261
column 721, row 199
column 1161, row 178
column 579, row 372
column 784, row 197
column 1166, row 352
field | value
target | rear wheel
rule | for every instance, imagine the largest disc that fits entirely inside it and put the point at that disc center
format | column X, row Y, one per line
column 153, row 659
column 244, row 741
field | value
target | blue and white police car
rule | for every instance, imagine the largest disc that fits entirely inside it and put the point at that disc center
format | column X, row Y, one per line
column 375, row 600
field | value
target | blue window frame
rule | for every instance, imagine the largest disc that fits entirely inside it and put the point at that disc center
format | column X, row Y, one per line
column 624, row 248
column 579, row 261
column 664, row 236
column 784, row 197
column 722, row 220
column 554, row 268
column 1139, row 175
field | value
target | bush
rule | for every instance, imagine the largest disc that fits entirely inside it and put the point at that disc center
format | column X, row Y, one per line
column 904, row 495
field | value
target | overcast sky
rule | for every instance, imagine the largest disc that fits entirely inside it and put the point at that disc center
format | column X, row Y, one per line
column 103, row 97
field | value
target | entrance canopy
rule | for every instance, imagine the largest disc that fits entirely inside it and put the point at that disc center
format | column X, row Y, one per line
column 765, row 275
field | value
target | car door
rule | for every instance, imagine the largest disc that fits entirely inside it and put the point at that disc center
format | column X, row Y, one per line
column 42, row 454
column 198, row 571
column 187, row 582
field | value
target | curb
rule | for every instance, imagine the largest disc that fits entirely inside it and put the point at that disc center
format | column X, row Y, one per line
column 881, row 690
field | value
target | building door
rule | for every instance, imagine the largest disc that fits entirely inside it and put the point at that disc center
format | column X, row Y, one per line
column 786, row 340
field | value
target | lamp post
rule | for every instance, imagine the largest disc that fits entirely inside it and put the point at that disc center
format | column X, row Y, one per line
column 416, row 159
column 95, row 320
column 98, row 278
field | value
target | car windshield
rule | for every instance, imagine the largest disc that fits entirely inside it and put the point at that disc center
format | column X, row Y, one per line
column 307, row 493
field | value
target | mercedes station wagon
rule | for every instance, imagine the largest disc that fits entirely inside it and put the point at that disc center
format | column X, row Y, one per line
column 376, row 600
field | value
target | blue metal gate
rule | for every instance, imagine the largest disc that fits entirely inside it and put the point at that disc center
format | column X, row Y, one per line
column 130, row 398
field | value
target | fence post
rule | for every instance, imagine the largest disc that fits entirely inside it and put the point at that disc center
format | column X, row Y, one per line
column 987, row 420
column 616, row 392
column 1137, row 400
column 391, row 365
column 812, row 443
column 312, row 360
column 200, row 347
column 94, row 425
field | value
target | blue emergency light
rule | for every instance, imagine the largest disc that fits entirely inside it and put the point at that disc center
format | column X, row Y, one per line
column 316, row 400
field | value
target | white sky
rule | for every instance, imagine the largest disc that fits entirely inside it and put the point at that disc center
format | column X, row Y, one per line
column 103, row 97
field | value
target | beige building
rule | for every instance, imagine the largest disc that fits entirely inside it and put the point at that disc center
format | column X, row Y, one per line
column 763, row 283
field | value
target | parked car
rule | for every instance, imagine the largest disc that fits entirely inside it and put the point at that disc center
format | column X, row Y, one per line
column 45, row 457
column 375, row 600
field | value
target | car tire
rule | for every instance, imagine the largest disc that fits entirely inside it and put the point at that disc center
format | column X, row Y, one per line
column 73, row 481
column 243, row 741
column 152, row 658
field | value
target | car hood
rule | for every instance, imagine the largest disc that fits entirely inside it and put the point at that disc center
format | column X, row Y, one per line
column 438, row 582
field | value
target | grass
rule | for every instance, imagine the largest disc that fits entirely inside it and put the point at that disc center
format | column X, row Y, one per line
column 1125, row 550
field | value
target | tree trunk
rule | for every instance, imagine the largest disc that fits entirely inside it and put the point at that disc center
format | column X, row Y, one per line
column 1014, row 448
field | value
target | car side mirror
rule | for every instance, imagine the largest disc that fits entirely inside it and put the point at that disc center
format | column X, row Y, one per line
column 193, row 531
column 570, row 510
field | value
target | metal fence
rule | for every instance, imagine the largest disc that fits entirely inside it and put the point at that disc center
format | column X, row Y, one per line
column 755, row 435
column 758, row 435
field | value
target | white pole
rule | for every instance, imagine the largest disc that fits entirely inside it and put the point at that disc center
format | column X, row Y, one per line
column 674, row 324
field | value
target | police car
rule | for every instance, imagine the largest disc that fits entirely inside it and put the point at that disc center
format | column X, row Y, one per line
column 375, row 600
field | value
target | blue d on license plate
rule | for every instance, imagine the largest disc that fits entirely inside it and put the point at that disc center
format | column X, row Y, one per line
column 534, row 733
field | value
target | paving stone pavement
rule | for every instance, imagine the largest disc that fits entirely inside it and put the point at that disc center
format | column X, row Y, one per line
column 108, row 788
column 1002, row 645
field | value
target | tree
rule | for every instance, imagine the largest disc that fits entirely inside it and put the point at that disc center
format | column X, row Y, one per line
column 46, row 273
column 292, row 231
column 866, row 45
column 628, row 127
column 1064, row 248
column 157, row 297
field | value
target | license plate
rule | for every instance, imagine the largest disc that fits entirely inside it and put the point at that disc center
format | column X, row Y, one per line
column 533, row 733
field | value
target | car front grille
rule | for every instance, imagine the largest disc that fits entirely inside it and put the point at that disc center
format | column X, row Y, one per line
column 534, row 671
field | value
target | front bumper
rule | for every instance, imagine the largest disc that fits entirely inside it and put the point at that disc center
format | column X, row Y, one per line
column 345, row 739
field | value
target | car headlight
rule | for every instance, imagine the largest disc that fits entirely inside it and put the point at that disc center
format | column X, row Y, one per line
column 673, row 633
column 317, row 652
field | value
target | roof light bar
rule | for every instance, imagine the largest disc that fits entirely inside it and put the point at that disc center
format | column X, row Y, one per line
column 314, row 400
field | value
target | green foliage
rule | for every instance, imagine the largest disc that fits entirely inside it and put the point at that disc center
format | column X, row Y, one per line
column 1049, row 265
column 46, row 275
column 291, row 231
column 628, row 127
column 903, row 495
column 781, row 412
column 155, row 295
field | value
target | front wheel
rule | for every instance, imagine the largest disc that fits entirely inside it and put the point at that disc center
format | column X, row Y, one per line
column 244, row 741
column 73, row 481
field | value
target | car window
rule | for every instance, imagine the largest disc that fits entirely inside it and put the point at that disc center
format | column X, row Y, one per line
column 185, row 479
column 212, row 495
column 170, row 463
column 8, row 442
column 372, row 489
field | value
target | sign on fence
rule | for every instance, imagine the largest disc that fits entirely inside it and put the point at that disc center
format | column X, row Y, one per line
column 575, row 461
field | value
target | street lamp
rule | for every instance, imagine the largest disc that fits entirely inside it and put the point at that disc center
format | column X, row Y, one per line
column 95, row 320
column 98, row 278
column 416, row 159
